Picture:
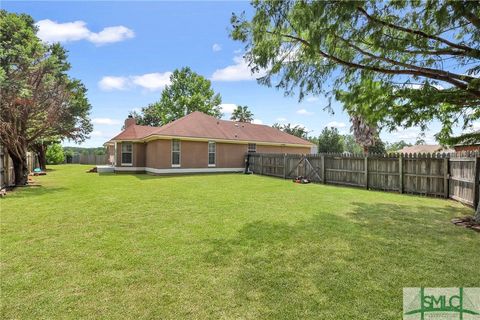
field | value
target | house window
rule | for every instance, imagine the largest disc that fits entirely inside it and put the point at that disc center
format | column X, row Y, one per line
column 175, row 153
column 252, row 147
column 211, row 153
column 127, row 151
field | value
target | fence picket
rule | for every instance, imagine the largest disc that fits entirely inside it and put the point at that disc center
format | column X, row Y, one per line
column 439, row 175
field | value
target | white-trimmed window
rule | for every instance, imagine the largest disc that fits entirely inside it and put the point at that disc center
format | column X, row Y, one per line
column 127, row 153
column 211, row 153
column 252, row 147
column 175, row 153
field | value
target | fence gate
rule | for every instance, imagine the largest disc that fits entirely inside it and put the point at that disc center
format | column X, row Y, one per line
column 464, row 179
column 455, row 176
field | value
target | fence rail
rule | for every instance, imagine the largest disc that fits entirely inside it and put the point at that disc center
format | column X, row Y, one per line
column 443, row 175
column 93, row 159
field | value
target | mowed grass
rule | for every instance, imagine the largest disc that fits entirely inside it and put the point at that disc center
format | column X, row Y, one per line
column 227, row 246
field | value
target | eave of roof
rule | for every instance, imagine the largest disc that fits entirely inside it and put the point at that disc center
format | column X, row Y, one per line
column 199, row 126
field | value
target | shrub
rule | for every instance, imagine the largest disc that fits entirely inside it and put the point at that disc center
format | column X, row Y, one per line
column 55, row 154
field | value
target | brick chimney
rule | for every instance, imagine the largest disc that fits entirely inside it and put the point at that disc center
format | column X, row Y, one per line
column 129, row 121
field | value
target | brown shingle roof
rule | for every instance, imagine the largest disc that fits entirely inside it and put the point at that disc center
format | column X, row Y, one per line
column 134, row 132
column 200, row 125
column 425, row 148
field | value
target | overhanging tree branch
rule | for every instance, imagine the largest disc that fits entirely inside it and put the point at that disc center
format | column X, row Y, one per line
column 474, row 52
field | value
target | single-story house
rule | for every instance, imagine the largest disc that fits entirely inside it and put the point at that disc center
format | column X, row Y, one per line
column 473, row 145
column 196, row 143
column 426, row 148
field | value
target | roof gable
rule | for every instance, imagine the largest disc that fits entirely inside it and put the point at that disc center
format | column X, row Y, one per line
column 134, row 132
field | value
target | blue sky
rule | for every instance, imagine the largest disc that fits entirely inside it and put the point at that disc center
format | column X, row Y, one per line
column 124, row 52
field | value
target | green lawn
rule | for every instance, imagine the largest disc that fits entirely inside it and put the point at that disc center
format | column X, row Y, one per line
column 228, row 246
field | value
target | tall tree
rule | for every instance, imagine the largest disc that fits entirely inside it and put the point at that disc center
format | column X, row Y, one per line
column 296, row 130
column 330, row 141
column 242, row 114
column 350, row 144
column 188, row 92
column 396, row 63
column 39, row 100
column 40, row 148
column 378, row 148
column 398, row 145
column 365, row 134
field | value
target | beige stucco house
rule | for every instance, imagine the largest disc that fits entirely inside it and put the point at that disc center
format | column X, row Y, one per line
column 196, row 143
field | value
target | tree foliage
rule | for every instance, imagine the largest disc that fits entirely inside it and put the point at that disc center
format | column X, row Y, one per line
column 296, row 130
column 396, row 63
column 396, row 146
column 39, row 100
column 55, row 154
column 379, row 147
column 242, row 114
column 188, row 92
column 330, row 141
column 350, row 144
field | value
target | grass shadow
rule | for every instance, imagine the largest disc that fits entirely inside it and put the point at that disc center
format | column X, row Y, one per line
column 148, row 176
column 34, row 191
column 333, row 266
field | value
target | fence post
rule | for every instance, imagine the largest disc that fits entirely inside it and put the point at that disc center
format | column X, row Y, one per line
column 324, row 171
column 284, row 166
column 400, row 173
column 261, row 164
column 366, row 171
column 305, row 166
column 445, row 177
column 476, row 191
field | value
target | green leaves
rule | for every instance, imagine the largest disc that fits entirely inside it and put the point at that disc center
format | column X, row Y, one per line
column 242, row 114
column 188, row 92
column 330, row 141
column 39, row 99
column 398, row 63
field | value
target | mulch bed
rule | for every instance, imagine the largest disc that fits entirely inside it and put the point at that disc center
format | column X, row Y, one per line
column 466, row 222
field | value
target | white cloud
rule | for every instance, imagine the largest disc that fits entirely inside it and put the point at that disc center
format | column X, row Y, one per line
column 228, row 107
column 304, row 112
column 312, row 99
column 111, row 35
column 336, row 124
column 257, row 121
column 216, row 47
column 109, row 83
column 52, row 31
column 106, row 121
column 152, row 81
column 96, row 134
column 239, row 71
column 475, row 126
column 418, row 86
column 412, row 135
column 149, row 81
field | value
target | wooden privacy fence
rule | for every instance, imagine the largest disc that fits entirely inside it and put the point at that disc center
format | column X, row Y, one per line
column 7, row 174
column 88, row 159
column 443, row 175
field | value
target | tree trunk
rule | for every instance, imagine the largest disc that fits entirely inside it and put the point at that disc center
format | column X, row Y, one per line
column 42, row 159
column 477, row 213
column 20, row 168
